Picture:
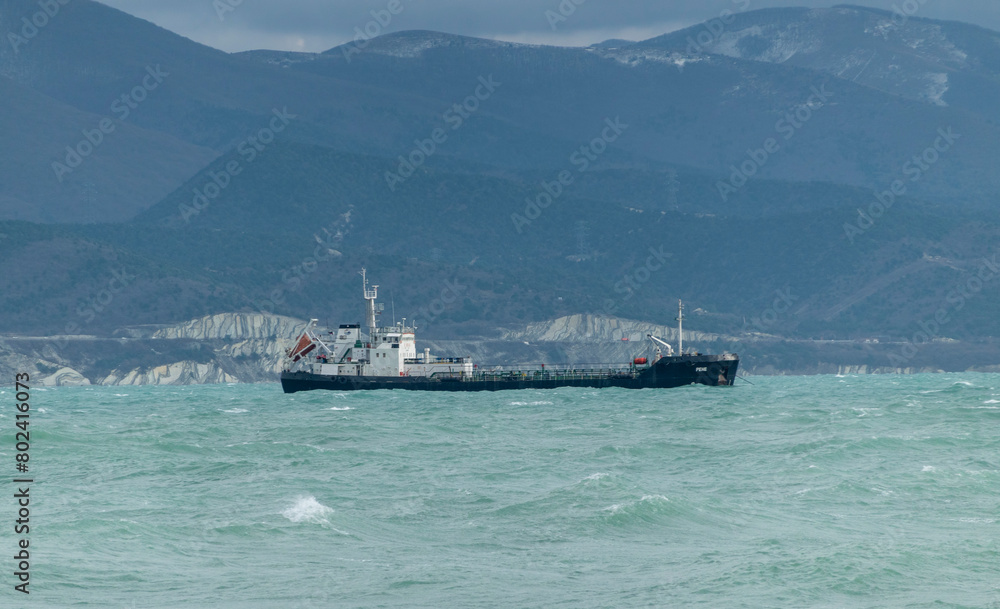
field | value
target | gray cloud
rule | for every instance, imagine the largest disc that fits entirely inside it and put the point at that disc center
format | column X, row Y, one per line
column 316, row 25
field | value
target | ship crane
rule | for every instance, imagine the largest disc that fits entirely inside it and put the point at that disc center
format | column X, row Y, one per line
column 659, row 342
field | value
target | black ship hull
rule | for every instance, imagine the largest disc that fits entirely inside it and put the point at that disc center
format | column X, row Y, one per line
column 667, row 372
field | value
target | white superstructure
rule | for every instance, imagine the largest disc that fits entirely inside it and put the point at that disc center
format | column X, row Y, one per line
column 383, row 351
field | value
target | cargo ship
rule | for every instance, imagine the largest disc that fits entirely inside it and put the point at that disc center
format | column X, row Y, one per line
column 386, row 357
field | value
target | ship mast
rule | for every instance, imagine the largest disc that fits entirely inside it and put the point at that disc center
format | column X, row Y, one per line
column 370, row 296
column 680, row 328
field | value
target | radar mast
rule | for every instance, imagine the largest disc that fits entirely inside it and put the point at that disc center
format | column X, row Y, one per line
column 370, row 308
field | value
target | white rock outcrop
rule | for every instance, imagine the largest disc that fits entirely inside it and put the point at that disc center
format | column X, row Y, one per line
column 596, row 328
column 179, row 373
column 235, row 326
column 64, row 377
column 248, row 347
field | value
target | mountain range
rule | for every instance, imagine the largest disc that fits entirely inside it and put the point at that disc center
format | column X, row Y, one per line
column 837, row 164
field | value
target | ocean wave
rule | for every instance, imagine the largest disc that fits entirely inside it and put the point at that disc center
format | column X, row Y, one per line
column 652, row 499
column 645, row 510
column 308, row 510
column 318, row 448
column 975, row 520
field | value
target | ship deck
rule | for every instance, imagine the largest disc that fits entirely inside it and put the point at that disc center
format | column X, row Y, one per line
column 666, row 372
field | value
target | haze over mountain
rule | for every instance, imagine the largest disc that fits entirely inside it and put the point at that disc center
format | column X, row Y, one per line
column 725, row 166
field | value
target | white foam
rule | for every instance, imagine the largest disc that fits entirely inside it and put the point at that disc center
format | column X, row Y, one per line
column 618, row 507
column 597, row 476
column 531, row 403
column 344, row 408
column 928, row 468
column 977, row 520
column 307, row 509
column 235, row 411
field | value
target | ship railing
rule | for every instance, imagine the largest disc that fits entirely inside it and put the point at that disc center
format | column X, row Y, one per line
column 559, row 368
column 436, row 360
column 556, row 372
column 547, row 374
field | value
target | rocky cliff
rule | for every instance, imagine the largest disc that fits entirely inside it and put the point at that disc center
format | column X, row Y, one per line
column 222, row 348
column 600, row 329
column 244, row 347
column 234, row 326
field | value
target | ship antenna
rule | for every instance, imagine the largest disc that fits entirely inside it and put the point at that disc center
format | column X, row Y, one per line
column 392, row 299
column 680, row 327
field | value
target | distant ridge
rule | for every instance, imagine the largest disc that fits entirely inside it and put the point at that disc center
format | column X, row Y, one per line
column 545, row 182
column 613, row 43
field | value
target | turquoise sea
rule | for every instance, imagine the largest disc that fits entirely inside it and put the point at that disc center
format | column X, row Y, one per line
column 858, row 491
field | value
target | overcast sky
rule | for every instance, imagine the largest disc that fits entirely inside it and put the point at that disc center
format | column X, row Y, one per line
column 317, row 25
